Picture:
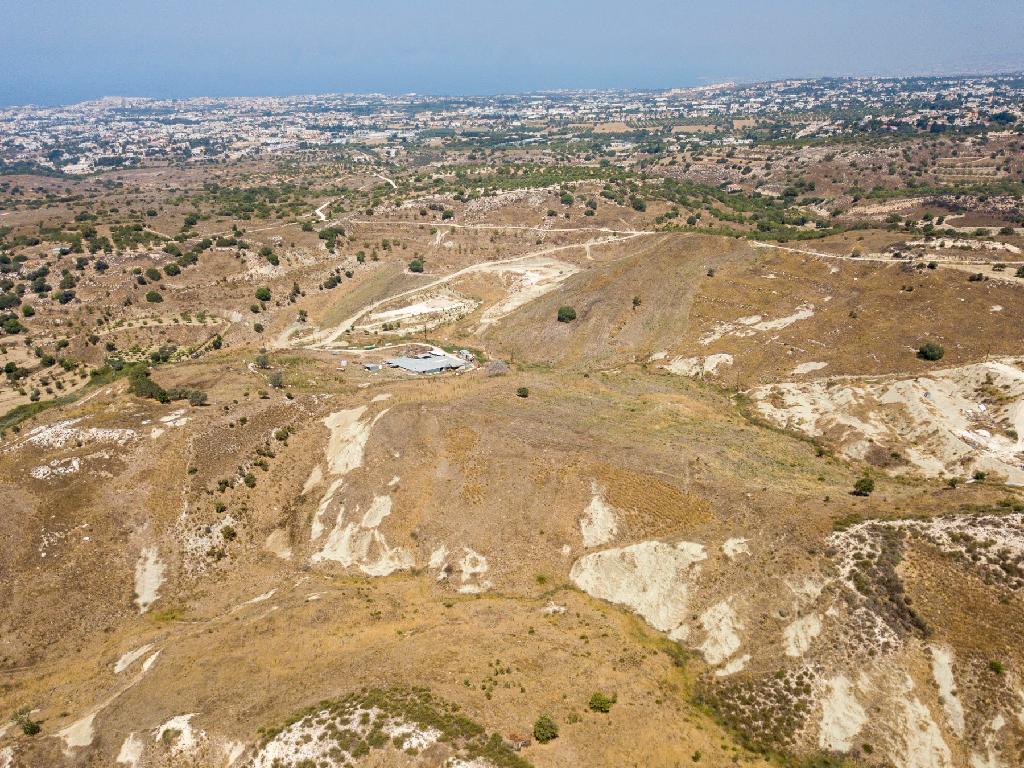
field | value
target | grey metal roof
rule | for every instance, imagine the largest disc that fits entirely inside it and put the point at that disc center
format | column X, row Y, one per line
column 432, row 364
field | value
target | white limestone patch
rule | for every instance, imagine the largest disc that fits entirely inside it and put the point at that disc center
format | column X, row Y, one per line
column 178, row 731
column 754, row 324
column 733, row 548
column 130, row 657
column 79, row 733
column 942, row 671
column 361, row 544
column 429, row 311
column 721, row 625
column 316, row 476
column 347, row 442
column 922, row 742
column 946, row 422
column 651, row 578
column 131, row 750
column 473, row 566
column 811, row 367
column 991, row 758
column 149, row 575
column 842, row 716
column 56, row 468
column 698, row 366
column 736, row 665
column 63, row 433
column 599, row 524
column 311, row 742
column 278, row 545
column 798, row 636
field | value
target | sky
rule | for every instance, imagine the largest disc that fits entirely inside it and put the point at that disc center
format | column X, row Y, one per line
column 54, row 52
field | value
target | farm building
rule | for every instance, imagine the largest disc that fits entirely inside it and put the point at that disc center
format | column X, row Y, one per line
column 432, row 362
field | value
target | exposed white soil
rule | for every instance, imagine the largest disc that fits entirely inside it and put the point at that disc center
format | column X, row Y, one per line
column 754, row 324
column 355, row 542
column 130, row 753
column 79, row 733
column 599, row 524
column 56, row 468
column 923, row 745
column 942, row 671
column 348, row 439
column 736, row 665
column 651, row 578
column 149, row 575
column 277, row 544
column 64, row 433
column 991, row 758
column 150, row 661
column 805, row 368
column 127, row 659
column 733, row 548
column 842, row 716
column 798, row 636
column 965, row 245
column 524, row 281
column 426, row 313
column 185, row 737
column 360, row 544
column 721, row 627
column 316, row 476
column 473, row 566
column 309, row 741
column 950, row 421
column 553, row 609
column 698, row 366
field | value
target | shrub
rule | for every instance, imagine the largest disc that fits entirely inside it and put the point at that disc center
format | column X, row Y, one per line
column 930, row 351
column 545, row 729
column 154, row 297
column 172, row 269
column 864, row 486
column 522, row 392
column 416, row 265
column 263, row 293
column 566, row 314
column 599, row 702
column 997, row 667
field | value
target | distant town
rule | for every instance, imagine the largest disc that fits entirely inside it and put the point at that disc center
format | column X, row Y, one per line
column 123, row 132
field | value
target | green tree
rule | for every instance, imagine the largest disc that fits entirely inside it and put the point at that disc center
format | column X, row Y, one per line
column 545, row 729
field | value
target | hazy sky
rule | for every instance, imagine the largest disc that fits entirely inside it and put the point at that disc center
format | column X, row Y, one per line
column 59, row 52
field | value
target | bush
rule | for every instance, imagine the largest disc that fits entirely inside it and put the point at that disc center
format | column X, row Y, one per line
column 997, row 667
column 153, row 297
column 172, row 269
column 545, row 729
column 930, row 351
column 522, row 392
column 864, row 486
column 263, row 293
column 416, row 265
column 599, row 702
column 566, row 314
